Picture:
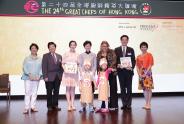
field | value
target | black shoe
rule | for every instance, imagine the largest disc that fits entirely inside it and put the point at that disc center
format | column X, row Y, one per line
column 57, row 108
column 123, row 107
column 116, row 109
column 112, row 109
column 82, row 110
column 50, row 109
column 129, row 107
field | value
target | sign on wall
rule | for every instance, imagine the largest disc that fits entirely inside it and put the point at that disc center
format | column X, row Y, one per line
column 99, row 8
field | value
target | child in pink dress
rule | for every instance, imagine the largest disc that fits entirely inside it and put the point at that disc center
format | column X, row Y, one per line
column 103, row 83
column 86, row 80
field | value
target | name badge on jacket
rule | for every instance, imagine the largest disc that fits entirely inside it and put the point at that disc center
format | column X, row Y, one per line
column 129, row 54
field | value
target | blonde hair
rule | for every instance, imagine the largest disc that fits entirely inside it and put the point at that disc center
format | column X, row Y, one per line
column 104, row 42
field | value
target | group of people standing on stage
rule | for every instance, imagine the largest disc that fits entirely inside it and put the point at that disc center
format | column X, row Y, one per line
column 73, row 69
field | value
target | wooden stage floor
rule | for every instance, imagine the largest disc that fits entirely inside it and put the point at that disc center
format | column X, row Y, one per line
column 165, row 110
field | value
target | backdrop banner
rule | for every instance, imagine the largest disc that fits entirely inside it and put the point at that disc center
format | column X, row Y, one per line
column 99, row 8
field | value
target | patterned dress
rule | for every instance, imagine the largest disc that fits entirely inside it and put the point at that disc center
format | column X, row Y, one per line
column 70, row 79
column 142, row 63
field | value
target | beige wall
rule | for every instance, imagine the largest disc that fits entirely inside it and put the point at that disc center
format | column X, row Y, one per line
column 166, row 39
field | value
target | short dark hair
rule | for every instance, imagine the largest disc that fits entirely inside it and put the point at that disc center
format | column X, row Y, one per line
column 72, row 41
column 35, row 45
column 51, row 43
column 124, row 36
column 87, row 42
column 144, row 44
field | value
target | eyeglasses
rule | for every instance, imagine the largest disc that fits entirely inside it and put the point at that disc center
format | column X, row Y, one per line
column 105, row 46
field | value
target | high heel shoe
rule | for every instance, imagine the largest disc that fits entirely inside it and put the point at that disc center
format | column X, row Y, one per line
column 69, row 108
column 73, row 108
column 146, row 107
column 34, row 110
column 26, row 111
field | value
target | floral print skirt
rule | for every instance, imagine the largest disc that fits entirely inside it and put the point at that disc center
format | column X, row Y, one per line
column 147, row 81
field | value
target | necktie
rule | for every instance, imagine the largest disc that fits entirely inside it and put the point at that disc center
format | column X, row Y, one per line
column 54, row 58
column 124, row 52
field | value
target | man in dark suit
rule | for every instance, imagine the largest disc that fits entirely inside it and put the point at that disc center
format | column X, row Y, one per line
column 125, row 74
column 52, row 74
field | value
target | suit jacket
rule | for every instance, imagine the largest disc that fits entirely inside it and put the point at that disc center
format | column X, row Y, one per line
column 49, row 69
column 129, row 53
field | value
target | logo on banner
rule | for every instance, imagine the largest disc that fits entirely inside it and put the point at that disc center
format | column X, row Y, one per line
column 31, row 6
column 145, row 9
